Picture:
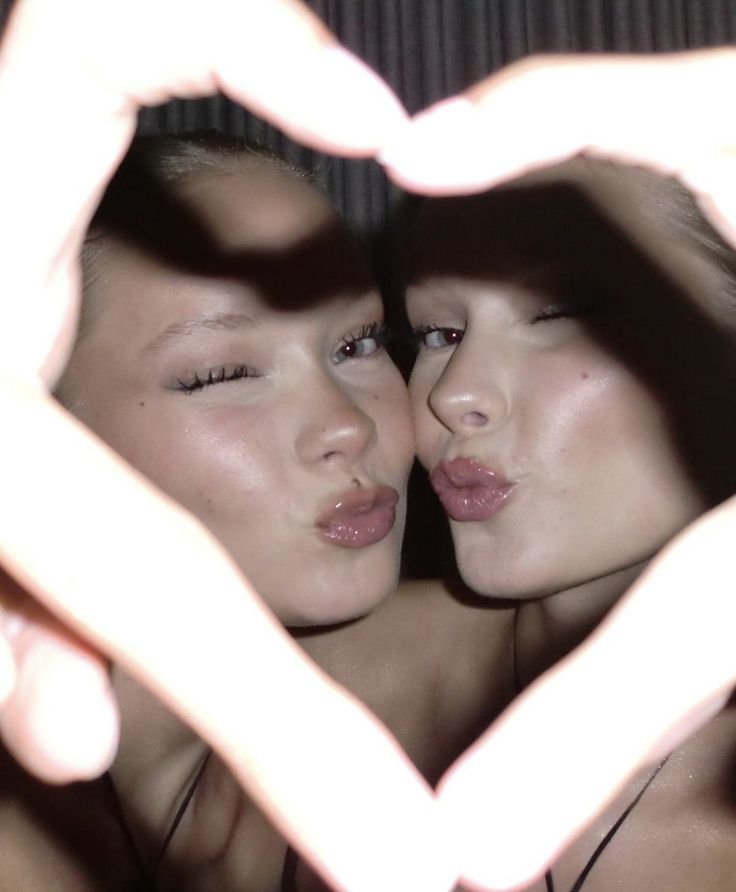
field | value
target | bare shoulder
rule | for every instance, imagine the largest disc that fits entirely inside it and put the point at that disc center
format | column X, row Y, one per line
column 157, row 762
column 224, row 843
column 679, row 837
column 192, row 823
column 435, row 666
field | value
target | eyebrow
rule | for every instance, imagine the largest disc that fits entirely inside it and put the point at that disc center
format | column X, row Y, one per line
column 209, row 322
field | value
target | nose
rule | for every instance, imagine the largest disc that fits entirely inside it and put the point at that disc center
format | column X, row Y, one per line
column 336, row 432
column 470, row 394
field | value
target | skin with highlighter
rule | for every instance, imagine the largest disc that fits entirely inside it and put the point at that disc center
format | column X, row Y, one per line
column 239, row 362
column 568, row 442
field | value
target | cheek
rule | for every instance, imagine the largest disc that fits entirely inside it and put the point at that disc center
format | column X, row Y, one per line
column 569, row 409
column 606, row 437
column 206, row 460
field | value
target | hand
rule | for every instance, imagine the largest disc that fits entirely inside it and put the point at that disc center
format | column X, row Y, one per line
column 94, row 542
column 546, row 109
column 546, row 768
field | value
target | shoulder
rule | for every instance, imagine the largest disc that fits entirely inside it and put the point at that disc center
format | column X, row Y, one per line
column 157, row 760
column 223, row 841
column 178, row 796
column 436, row 666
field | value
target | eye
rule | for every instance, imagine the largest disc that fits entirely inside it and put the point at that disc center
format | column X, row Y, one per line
column 554, row 311
column 571, row 310
column 369, row 340
column 433, row 337
column 216, row 375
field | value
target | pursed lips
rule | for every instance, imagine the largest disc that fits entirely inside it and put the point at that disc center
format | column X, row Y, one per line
column 359, row 517
column 470, row 490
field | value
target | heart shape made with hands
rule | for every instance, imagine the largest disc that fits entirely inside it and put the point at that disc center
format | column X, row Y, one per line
column 330, row 794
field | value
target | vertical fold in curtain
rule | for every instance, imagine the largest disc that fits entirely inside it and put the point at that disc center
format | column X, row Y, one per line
column 429, row 49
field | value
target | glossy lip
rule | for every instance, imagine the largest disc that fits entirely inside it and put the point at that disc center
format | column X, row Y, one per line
column 469, row 490
column 359, row 517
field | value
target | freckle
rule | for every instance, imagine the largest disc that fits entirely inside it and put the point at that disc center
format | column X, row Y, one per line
column 142, row 403
column 585, row 376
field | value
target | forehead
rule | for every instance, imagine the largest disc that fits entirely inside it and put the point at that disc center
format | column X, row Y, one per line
column 591, row 221
column 508, row 233
column 258, row 228
column 257, row 206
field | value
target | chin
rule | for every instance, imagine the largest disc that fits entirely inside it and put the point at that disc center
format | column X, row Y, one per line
column 325, row 617
column 505, row 577
column 338, row 609
column 492, row 586
column 536, row 576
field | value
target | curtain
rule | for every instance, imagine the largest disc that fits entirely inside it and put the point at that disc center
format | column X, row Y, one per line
column 429, row 49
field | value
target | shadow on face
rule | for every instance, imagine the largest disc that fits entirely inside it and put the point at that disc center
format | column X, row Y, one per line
column 650, row 280
column 283, row 238
column 231, row 351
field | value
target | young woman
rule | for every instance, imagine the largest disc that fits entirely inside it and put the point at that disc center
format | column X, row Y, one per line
column 574, row 396
column 232, row 349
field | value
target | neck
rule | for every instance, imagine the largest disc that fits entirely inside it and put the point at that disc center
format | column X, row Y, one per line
column 327, row 646
column 548, row 629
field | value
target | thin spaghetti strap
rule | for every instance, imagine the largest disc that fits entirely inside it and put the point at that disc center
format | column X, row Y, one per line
column 578, row 885
column 583, row 875
column 117, row 807
column 181, row 811
column 514, row 656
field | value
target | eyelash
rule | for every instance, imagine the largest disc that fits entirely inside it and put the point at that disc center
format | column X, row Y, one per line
column 216, row 375
column 548, row 314
column 376, row 331
column 219, row 374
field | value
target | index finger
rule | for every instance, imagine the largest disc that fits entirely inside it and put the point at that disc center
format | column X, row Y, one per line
column 661, row 111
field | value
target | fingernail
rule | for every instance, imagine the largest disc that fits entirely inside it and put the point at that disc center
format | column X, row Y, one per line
column 363, row 110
